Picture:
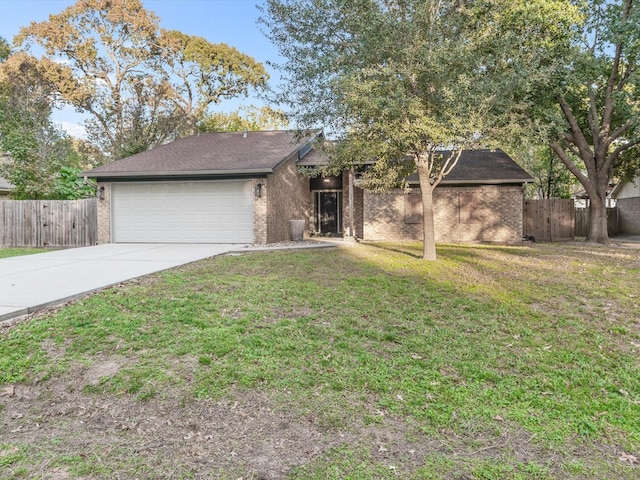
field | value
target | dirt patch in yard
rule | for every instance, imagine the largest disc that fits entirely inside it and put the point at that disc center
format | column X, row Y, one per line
column 247, row 435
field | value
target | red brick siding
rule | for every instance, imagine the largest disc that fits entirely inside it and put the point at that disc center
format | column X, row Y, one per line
column 496, row 215
column 287, row 198
column 629, row 215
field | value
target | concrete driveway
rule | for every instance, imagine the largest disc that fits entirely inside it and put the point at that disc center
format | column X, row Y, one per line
column 31, row 282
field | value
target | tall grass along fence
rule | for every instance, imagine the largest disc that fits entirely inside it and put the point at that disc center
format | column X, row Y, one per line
column 48, row 223
column 550, row 219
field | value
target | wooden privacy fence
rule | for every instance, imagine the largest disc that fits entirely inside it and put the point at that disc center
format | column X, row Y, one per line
column 48, row 223
column 550, row 219
column 582, row 221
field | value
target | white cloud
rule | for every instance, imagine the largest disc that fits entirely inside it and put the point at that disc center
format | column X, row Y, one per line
column 74, row 129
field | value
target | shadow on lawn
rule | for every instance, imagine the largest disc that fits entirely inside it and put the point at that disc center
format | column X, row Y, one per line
column 448, row 251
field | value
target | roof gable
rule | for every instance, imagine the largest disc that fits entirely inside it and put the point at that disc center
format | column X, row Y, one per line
column 224, row 153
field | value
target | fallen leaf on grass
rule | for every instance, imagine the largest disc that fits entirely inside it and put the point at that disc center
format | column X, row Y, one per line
column 498, row 418
column 625, row 457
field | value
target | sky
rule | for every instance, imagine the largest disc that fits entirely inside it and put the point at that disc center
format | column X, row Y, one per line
column 233, row 22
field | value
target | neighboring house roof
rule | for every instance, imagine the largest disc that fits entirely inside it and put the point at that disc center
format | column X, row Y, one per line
column 209, row 154
column 5, row 186
column 473, row 167
column 627, row 189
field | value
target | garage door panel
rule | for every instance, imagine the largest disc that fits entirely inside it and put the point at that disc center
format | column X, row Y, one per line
column 183, row 212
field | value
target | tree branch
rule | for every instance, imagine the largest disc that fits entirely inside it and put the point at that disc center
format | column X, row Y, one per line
column 611, row 84
column 616, row 153
column 573, row 168
column 577, row 137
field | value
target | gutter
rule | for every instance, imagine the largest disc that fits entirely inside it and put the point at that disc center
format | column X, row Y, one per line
column 481, row 182
column 180, row 174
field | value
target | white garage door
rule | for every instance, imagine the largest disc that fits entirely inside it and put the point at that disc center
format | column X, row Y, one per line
column 182, row 212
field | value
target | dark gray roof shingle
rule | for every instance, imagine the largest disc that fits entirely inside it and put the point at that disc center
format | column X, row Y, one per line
column 208, row 153
column 483, row 166
column 474, row 166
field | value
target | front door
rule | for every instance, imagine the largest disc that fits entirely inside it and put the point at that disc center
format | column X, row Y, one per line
column 329, row 212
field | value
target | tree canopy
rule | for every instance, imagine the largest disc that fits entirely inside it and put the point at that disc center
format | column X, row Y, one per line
column 140, row 85
column 398, row 81
column 249, row 118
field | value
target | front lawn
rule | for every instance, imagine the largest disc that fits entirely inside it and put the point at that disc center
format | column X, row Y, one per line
column 361, row 362
column 15, row 252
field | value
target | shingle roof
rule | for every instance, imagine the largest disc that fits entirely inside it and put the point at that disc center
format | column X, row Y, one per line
column 483, row 166
column 208, row 154
column 314, row 158
column 473, row 167
column 4, row 185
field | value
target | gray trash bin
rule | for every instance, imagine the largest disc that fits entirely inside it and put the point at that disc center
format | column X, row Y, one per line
column 296, row 229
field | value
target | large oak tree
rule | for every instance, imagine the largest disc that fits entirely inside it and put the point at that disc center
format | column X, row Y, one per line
column 399, row 81
column 140, row 85
column 597, row 104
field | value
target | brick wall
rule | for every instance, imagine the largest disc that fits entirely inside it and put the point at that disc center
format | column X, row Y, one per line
column 287, row 198
column 486, row 213
column 260, row 212
column 104, row 214
column 629, row 215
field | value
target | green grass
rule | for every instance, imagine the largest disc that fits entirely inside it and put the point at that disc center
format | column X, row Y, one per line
column 16, row 252
column 489, row 351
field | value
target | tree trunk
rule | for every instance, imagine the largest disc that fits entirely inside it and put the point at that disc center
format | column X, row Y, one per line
column 429, row 237
column 598, row 231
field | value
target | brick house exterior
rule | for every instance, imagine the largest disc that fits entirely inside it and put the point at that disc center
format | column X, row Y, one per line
column 462, row 214
column 264, row 160
column 203, row 188
column 481, row 200
column 287, row 194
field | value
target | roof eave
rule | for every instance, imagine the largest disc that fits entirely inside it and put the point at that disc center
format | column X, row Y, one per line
column 481, row 181
column 179, row 174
